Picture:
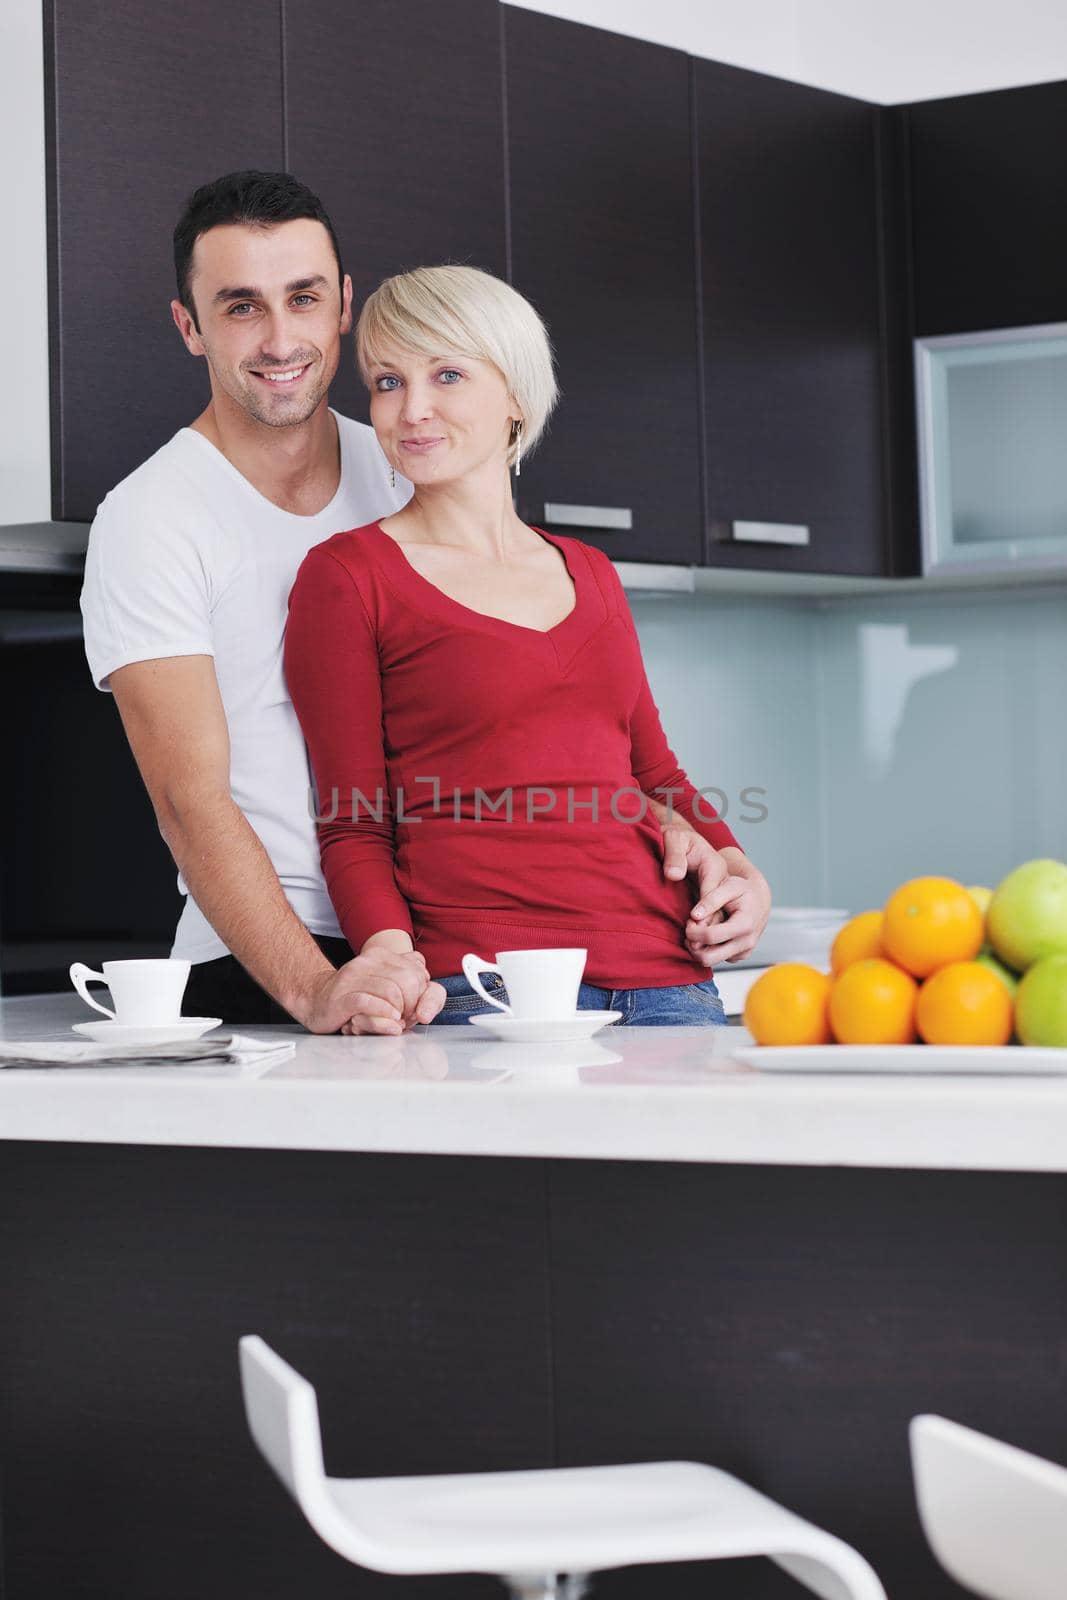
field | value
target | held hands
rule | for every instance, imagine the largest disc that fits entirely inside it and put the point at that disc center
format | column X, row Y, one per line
column 385, row 989
column 734, row 897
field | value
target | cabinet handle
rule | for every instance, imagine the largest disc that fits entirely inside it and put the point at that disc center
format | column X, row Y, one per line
column 770, row 533
column 608, row 519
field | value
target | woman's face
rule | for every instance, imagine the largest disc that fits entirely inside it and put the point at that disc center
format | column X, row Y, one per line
column 440, row 419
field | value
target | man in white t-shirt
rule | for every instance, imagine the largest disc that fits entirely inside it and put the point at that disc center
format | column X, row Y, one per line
column 191, row 560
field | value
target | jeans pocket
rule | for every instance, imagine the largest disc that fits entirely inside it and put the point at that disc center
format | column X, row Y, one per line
column 461, row 998
column 707, row 997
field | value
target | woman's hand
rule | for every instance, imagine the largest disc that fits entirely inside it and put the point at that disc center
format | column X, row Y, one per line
column 379, row 992
column 405, row 999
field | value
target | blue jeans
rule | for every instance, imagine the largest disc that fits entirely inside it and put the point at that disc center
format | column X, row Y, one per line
column 694, row 1004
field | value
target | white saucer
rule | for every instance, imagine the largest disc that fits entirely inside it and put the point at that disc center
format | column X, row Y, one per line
column 162, row 1033
column 545, row 1030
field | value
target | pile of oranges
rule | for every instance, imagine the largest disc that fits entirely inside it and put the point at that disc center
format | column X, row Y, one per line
column 917, row 969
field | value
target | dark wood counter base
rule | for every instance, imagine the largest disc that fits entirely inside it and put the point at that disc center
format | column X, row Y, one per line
column 484, row 1314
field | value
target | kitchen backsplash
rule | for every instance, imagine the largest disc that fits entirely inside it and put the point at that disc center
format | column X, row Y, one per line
column 886, row 737
column 735, row 683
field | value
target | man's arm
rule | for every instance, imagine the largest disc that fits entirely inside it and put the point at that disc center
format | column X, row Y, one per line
column 176, row 725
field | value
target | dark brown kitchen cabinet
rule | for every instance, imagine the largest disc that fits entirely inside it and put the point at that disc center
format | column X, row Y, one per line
column 722, row 333
column 794, row 375
column 394, row 116
column 602, row 243
column 142, row 109
column 989, row 175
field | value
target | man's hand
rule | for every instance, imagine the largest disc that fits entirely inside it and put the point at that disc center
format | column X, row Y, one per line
column 733, row 897
column 727, row 923
column 686, row 852
column 431, row 996
column 381, row 991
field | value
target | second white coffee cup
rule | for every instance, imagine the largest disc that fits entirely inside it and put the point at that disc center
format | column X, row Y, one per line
column 146, row 993
column 542, row 984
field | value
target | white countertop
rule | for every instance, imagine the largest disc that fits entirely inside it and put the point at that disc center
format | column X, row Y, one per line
column 653, row 1094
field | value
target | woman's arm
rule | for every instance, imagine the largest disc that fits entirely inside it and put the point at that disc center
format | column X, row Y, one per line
column 334, row 677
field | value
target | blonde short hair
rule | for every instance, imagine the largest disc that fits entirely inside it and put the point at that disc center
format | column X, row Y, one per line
column 435, row 311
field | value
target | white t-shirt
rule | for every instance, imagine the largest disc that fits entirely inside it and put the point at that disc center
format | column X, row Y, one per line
column 187, row 558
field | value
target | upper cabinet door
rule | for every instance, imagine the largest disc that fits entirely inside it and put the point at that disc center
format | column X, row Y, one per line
column 394, row 117
column 792, row 329
column 989, row 176
column 601, row 213
column 140, row 115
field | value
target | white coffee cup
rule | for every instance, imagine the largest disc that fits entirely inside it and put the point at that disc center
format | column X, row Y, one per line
column 542, row 985
column 145, row 993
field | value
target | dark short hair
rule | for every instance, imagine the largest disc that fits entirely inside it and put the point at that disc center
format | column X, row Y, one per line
column 255, row 198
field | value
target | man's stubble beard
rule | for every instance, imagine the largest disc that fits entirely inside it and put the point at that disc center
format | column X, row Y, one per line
column 293, row 414
column 244, row 394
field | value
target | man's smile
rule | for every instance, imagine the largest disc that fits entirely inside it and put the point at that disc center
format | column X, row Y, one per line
column 282, row 375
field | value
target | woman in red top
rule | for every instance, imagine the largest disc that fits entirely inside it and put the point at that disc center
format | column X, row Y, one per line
column 480, row 728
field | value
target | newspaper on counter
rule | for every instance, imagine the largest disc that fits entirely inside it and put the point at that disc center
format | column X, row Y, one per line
column 233, row 1048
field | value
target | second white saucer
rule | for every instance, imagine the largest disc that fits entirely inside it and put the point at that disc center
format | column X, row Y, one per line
column 161, row 1033
column 547, row 1030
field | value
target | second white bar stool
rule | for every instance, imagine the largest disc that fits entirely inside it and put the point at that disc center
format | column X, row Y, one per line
column 995, row 1516
column 527, row 1528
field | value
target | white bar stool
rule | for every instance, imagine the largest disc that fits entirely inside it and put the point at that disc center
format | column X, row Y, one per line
column 994, row 1516
column 527, row 1528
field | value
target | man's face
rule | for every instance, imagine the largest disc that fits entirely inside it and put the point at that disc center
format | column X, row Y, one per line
column 271, row 317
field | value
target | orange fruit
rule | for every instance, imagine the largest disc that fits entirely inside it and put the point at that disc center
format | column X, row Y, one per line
column 873, row 1002
column 858, row 940
column 930, row 922
column 787, row 1005
column 964, row 1003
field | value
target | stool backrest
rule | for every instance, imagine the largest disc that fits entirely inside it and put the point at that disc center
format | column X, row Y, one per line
column 995, row 1516
column 283, row 1416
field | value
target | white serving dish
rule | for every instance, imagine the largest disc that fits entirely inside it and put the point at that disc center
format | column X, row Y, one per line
column 926, row 1060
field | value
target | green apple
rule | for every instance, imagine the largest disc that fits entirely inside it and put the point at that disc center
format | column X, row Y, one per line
column 1027, row 916
column 986, row 958
column 1041, row 1003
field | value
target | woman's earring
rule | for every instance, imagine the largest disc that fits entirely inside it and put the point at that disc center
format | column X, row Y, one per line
column 516, row 439
column 392, row 476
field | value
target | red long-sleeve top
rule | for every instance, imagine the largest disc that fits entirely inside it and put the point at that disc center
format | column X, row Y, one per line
column 427, row 723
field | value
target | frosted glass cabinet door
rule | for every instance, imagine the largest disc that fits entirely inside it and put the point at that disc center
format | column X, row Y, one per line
column 993, row 448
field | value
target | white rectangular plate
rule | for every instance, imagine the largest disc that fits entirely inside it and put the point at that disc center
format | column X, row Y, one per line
column 1013, row 1060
